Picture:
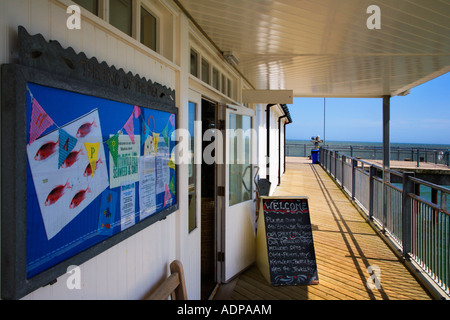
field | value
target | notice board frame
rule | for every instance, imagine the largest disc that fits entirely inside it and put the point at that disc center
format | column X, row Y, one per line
column 15, row 77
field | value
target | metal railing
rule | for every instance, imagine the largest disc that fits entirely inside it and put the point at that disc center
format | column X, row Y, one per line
column 413, row 154
column 418, row 225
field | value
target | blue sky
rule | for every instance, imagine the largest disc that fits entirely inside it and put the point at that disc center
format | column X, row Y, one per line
column 423, row 116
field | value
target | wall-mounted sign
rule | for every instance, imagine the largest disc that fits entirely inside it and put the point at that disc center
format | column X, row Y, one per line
column 77, row 175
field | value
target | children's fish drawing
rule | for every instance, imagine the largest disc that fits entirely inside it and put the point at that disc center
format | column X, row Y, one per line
column 88, row 171
column 57, row 193
column 79, row 197
column 71, row 159
column 107, row 226
column 46, row 150
column 85, row 129
column 107, row 213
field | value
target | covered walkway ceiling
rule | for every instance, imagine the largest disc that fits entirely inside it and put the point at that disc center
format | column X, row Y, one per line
column 323, row 48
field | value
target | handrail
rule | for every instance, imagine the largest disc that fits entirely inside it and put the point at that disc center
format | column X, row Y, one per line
column 430, row 184
column 428, row 203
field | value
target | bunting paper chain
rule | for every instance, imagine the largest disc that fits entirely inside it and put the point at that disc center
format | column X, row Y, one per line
column 41, row 121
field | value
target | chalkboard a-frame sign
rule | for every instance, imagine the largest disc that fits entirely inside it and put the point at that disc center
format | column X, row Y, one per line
column 63, row 204
column 285, row 246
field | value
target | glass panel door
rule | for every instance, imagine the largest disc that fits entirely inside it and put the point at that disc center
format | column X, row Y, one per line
column 192, row 169
column 239, row 217
column 240, row 169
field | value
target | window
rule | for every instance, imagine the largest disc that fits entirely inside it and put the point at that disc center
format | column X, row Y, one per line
column 229, row 91
column 215, row 78
column 192, row 172
column 194, row 63
column 224, row 85
column 90, row 5
column 240, row 168
column 205, row 71
column 148, row 29
column 120, row 15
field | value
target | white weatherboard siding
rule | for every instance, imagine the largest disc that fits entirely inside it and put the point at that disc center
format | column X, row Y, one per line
column 130, row 269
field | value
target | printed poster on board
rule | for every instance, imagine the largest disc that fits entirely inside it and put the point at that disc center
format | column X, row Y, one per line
column 127, row 167
column 147, row 186
column 65, row 192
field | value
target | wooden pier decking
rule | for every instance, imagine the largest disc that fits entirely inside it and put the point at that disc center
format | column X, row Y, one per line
column 345, row 246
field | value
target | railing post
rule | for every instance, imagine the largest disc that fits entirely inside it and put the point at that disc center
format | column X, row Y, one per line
column 343, row 159
column 372, row 174
column 418, row 158
column 335, row 164
column 408, row 187
column 354, row 165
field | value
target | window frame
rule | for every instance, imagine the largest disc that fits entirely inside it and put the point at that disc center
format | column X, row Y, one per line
column 132, row 18
column 97, row 9
column 154, row 14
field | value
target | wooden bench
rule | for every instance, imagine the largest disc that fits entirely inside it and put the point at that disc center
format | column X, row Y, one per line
column 174, row 286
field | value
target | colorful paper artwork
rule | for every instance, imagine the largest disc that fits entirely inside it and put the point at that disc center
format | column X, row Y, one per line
column 40, row 121
column 129, row 127
column 66, row 145
column 78, row 193
column 113, row 145
column 65, row 192
column 92, row 153
column 107, row 213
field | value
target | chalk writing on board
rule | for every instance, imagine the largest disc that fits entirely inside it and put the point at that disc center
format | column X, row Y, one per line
column 290, row 244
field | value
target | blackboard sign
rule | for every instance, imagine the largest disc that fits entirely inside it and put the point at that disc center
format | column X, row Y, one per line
column 290, row 245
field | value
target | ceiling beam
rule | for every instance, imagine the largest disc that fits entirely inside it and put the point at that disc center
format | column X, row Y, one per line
column 268, row 96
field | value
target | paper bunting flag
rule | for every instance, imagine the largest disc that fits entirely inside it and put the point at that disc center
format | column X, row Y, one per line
column 92, row 153
column 113, row 145
column 172, row 185
column 40, row 121
column 172, row 120
column 155, row 142
column 144, row 131
column 137, row 112
column 167, row 196
column 165, row 134
column 172, row 161
column 129, row 128
column 66, row 145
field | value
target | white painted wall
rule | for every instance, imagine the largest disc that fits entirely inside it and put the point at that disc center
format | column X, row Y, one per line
column 130, row 269
column 274, row 144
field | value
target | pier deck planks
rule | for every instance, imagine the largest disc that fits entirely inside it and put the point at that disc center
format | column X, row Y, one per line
column 345, row 247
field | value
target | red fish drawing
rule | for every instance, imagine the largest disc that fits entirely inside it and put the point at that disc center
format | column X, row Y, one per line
column 79, row 197
column 85, row 129
column 88, row 171
column 107, row 226
column 46, row 151
column 56, row 193
column 71, row 159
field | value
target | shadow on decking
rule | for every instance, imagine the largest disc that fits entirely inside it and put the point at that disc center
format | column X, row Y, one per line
column 346, row 248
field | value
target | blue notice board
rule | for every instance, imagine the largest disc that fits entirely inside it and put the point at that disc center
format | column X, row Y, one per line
column 95, row 169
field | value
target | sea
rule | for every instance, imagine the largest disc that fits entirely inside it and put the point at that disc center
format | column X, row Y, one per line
column 436, row 153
